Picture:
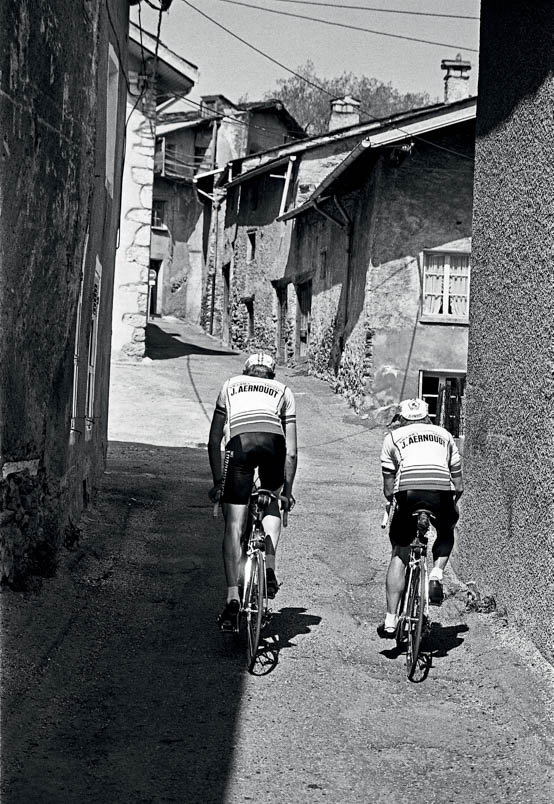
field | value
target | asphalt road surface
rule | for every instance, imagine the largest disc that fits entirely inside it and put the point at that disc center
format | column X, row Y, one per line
column 118, row 687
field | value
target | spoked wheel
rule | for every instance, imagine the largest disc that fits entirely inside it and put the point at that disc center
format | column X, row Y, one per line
column 254, row 609
column 415, row 616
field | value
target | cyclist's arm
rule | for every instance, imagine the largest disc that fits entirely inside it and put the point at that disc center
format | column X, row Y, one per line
column 388, row 466
column 388, row 484
column 214, row 445
column 291, row 459
column 455, row 465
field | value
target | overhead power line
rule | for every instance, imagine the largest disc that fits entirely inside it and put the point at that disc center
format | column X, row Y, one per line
column 313, row 84
column 380, row 10
column 347, row 26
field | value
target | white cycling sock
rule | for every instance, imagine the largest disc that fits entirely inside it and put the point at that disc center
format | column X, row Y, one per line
column 391, row 620
column 232, row 593
column 435, row 574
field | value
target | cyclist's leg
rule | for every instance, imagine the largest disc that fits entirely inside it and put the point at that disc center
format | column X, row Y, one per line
column 236, row 493
column 271, row 466
column 447, row 516
column 400, row 537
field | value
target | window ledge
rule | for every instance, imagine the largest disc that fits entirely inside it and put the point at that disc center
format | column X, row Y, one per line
column 160, row 227
column 462, row 321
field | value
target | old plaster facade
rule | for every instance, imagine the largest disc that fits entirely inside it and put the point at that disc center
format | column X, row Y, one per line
column 62, row 113
column 338, row 280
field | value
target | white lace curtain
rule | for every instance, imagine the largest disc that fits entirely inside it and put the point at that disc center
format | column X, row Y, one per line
column 455, row 270
column 434, row 282
column 459, row 285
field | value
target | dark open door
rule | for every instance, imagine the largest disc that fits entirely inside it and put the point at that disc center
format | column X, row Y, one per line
column 304, row 320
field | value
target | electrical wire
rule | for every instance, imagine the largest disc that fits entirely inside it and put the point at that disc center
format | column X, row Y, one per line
column 312, row 83
column 380, row 10
column 346, row 25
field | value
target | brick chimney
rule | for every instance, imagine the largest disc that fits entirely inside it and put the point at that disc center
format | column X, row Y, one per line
column 344, row 112
column 456, row 80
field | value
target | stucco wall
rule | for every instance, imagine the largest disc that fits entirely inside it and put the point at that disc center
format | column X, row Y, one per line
column 506, row 534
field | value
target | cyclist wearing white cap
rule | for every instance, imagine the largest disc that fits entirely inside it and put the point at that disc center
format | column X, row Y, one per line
column 421, row 467
column 257, row 416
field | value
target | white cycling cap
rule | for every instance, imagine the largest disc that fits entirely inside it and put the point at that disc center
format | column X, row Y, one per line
column 260, row 359
column 414, row 409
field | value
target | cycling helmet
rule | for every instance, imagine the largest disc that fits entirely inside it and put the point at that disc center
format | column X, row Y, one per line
column 260, row 359
column 413, row 410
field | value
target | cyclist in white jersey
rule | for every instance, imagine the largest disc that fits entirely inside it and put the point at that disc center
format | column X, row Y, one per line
column 421, row 467
column 256, row 415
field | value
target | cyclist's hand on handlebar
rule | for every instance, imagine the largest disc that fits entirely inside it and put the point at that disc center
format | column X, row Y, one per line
column 287, row 503
column 215, row 493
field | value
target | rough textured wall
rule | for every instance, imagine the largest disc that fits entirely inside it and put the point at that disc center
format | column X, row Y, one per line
column 253, row 276
column 49, row 117
column 506, row 538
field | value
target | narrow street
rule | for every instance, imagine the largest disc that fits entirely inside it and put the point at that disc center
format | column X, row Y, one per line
column 118, row 687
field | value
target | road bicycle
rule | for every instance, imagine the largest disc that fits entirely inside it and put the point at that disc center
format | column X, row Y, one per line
column 413, row 620
column 254, row 610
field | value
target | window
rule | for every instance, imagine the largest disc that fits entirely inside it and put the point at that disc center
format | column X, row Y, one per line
column 251, row 246
column 77, row 352
column 158, row 212
column 112, row 96
column 445, row 286
column 92, row 350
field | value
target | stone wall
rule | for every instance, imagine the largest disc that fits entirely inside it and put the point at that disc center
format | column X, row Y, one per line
column 133, row 255
column 58, row 224
column 506, row 542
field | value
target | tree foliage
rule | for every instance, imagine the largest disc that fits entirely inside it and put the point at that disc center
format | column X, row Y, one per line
column 311, row 107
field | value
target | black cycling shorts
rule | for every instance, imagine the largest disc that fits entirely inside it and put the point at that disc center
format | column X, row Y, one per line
column 249, row 451
column 440, row 503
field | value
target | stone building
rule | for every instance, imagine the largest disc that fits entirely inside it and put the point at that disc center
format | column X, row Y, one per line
column 343, row 251
column 62, row 114
column 506, row 535
column 184, row 210
column 380, row 258
column 250, row 303
column 154, row 71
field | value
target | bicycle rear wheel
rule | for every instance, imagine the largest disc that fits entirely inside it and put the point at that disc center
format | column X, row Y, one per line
column 254, row 608
column 416, row 615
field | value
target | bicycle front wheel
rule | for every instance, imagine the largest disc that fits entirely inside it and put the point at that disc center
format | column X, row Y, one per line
column 254, row 608
column 415, row 614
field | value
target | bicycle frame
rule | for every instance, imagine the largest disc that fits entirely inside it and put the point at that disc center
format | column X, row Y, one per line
column 414, row 606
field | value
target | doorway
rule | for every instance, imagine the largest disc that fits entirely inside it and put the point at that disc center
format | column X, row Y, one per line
column 153, row 300
column 304, row 317
column 226, row 311
column 282, row 313
column 444, row 393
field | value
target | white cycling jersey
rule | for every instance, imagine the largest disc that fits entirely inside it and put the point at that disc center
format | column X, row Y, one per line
column 422, row 456
column 255, row 405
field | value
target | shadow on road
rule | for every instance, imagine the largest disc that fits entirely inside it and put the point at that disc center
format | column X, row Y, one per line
column 138, row 697
column 435, row 645
column 162, row 345
column 278, row 634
